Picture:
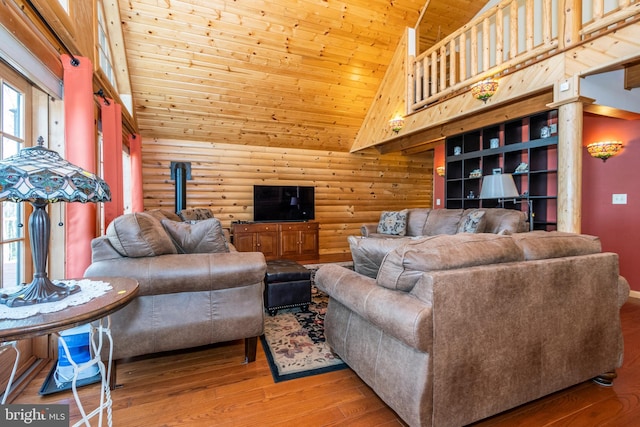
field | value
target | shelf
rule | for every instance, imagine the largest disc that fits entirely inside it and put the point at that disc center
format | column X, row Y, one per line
column 520, row 141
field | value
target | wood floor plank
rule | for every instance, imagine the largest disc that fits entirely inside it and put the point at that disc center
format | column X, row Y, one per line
column 211, row 386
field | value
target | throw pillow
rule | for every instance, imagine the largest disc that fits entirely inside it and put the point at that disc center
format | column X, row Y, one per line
column 368, row 253
column 204, row 236
column 138, row 235
column 195, row 214
column 473, row 222
column 393, row 223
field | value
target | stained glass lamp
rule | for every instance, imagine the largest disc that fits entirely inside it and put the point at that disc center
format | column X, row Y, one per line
column 40, row 176
column 484, row 89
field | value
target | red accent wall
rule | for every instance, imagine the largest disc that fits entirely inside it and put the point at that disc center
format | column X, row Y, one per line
column 438, row 181
column 618, row 226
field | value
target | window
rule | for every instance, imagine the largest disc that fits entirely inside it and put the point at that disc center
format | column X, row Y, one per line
column 12, row 215
column 105, row 51
column 15, row 256
column 100, row 172
column 126, row 179
column 64, row 4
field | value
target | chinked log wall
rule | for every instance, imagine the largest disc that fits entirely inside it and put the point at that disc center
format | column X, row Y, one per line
column 351, row 189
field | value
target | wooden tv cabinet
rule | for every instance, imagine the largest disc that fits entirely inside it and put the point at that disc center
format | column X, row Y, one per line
column 291, row 240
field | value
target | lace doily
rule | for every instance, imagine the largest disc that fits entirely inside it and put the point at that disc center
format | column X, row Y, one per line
column 89, row 289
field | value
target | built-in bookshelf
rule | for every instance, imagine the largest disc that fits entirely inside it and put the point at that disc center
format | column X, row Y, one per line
column 526, row 147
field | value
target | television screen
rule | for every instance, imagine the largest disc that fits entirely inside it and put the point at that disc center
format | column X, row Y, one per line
column 283, row 203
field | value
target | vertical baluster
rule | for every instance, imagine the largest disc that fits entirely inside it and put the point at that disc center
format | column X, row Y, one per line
column 463, row 56
column 434, row 73
column 486, row 45
column 427, row 77
column 443, row 67
column 499, row 36
column 453, row 59
column 474, row 51
column 547, row 16
column 598, row 9
column 569, row 22
column 513, row 30
column 529, row 25
column 419, row 81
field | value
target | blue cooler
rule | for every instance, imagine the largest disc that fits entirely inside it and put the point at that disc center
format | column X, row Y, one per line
column 77, row 340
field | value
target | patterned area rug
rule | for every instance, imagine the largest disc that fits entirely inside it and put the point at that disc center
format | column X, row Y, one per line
column 294, row 341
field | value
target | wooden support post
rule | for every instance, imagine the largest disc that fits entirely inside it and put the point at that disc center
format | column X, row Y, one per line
column 570, row 121
column 570, row 167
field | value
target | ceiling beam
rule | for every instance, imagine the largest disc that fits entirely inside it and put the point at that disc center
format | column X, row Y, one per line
column 632, row 76
column 615, row 113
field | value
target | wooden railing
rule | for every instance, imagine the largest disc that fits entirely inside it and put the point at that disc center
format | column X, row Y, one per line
column 506, row 37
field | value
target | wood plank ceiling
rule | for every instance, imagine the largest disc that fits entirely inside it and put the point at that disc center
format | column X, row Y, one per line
column 278, row 73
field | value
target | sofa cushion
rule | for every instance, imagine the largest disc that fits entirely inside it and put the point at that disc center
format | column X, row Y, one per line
column 368, row 253
column 204, row 236
column 403, row 266
column 195, row 214
column 138, row 235
column 556, row 244
column 472, row 222
column 393, row 223
column 442, row 221
column 416, row 219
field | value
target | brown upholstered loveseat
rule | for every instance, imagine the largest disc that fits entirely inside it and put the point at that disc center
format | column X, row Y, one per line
column 457, row 328
column 195, row 288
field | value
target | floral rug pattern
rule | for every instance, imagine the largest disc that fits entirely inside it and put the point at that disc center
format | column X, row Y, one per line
column 294, row 341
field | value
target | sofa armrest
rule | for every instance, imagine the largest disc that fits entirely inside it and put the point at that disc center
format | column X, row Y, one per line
column 623, row 290
column 102, row 249
column 175, row 273
column 397, row 313
column 367, row 229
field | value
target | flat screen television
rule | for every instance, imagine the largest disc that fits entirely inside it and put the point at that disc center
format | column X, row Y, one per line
column 283, row 203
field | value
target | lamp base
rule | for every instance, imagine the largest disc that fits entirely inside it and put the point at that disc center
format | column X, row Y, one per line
column 40, row 290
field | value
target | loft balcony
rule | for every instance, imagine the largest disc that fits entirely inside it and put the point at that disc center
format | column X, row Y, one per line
column 539, row 51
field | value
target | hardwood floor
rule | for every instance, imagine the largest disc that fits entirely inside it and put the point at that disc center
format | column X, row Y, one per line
column 207, row 387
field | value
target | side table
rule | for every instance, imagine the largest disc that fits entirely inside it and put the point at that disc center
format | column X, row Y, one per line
column 122, row 291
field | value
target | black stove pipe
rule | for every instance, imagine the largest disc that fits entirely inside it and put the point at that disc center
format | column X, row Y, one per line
column 180, row 172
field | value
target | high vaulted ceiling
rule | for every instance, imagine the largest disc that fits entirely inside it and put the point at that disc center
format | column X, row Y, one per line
column 279, row 73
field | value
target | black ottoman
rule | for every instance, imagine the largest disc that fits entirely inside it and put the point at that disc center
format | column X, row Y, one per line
column 287, row 284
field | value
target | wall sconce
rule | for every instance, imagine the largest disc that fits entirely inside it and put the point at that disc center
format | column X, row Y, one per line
column 440, row 170
column 484, row 89
column 604, row 149
column 396, row 124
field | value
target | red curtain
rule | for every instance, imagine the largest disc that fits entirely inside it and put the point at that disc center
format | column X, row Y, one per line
column 80, row 149
column 111, row 115
column 135, row 154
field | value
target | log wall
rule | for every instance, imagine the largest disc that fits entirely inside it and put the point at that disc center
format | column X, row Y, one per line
column 351, row 189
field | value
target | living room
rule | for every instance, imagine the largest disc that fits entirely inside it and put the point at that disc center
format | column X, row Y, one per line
column 357, row 164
